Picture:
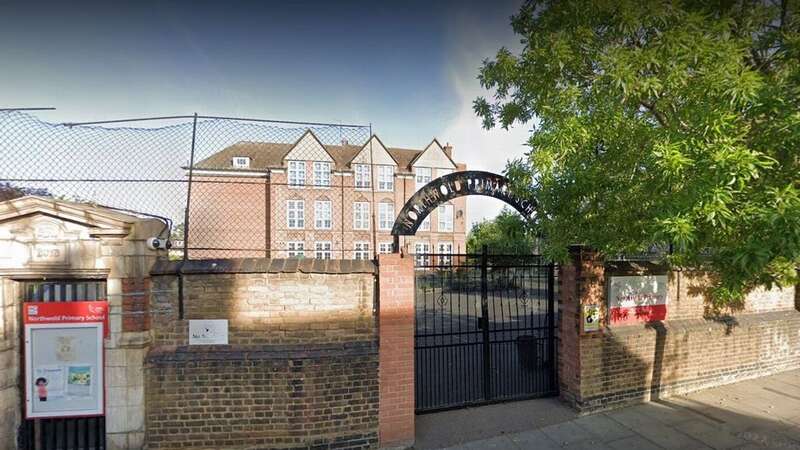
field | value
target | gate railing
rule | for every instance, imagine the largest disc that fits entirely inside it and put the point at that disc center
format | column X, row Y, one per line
column 485, row 329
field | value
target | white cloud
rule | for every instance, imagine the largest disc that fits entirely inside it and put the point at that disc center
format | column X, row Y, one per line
column 472, row 40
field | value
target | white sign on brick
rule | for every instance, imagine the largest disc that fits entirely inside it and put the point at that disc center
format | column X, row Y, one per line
column 208, row 332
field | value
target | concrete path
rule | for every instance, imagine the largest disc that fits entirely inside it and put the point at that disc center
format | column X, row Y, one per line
column 760, row 413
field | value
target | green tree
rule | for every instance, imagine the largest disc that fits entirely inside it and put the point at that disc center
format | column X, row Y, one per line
column 506, row 234
column 660, row 122
column 10, row 192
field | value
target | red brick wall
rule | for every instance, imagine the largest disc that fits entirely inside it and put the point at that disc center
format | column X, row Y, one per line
column 581, row 282
column 301, row 367
column 135, row 304
column 228, row 214
column 568, row 329
column 689, row 351
column 396, row 357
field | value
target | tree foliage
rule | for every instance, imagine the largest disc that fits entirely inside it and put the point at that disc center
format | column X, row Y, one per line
column 506, row 234
column 660, row 122
column 9, row 192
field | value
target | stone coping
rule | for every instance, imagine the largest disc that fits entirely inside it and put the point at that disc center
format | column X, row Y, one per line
column 199, row 353
column 263, row 265
column 686, row 325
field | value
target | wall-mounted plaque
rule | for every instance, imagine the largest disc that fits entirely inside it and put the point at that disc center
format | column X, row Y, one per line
column 591, row 318
column 49, row 253
column 641, row 298
column 208, row 332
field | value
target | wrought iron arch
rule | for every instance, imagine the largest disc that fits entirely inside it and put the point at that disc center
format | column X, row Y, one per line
column 450, row 186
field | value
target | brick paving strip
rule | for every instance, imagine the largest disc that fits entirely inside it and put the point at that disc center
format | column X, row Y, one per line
column 759, row 413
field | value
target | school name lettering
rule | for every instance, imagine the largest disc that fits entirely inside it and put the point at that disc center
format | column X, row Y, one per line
column 448, row 187
column 67, row 318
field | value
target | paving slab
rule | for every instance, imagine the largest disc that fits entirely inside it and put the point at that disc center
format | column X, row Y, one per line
column 633, row 442
column 495, row 443
column 669, row 437
column 713, row 436
column 604, row 428
column 533, row 439
column 566, row 433
column 753, row 414
column 456, row 427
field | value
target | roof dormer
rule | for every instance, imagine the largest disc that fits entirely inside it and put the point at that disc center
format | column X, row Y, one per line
column 240, row 162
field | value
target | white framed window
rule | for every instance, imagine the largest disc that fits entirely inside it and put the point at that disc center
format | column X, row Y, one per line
column 322, row 214
column 445, row 218
column 241, row 162
column 363, row 175
column 426, row 224
column 445, row 251
column 295, row 214
column 322, row 250
column 361, row 216
column 297, row 173
column 322, row 173
column 385, row 247
column 385, row 215
column 361, row 250
column 422, row 175
column 422, row 252
column 385, row 178
column 295, row 249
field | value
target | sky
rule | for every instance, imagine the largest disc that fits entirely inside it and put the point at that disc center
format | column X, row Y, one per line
column 407, row 68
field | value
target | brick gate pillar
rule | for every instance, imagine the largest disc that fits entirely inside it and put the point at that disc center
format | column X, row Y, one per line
column 581, row 282
column 396, row 356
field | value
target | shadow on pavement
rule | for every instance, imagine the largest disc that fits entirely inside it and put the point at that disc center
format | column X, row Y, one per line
column 758, row 413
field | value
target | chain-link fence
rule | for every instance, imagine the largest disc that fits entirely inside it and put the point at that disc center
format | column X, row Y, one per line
column 228, row 187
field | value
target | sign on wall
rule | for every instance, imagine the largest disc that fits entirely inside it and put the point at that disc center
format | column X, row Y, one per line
column 591, row 318
column 67, row 312
column 635, row 299
column 208, row 332
column 64, row 358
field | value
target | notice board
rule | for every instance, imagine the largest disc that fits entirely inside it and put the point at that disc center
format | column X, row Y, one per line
column 64, row 374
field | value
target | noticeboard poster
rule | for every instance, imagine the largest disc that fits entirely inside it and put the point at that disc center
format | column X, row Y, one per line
column 63, row 363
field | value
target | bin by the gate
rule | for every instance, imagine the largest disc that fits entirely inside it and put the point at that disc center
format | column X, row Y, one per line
column 531, row 352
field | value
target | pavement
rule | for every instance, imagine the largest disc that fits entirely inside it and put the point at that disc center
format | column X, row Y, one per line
column 752, row 414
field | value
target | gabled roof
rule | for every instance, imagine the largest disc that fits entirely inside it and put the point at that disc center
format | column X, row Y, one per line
column 382, row 146
column 266, row 155
column 302, row 138
column 100, row 220
column 427, row 148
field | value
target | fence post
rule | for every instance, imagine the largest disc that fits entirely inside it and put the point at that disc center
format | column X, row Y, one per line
column 189, row 192
column 396, row 350
column 551, row 324
column 487, row 363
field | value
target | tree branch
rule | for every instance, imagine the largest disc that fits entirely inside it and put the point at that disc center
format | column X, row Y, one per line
column 662, row 120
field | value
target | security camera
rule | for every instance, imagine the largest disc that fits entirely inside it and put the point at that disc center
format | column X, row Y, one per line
column 155, row 243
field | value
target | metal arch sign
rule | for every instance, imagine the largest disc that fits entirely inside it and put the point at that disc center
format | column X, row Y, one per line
column 453, row 185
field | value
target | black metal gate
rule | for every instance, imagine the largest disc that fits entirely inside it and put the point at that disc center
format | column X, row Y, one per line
column 485, row 329
column 67, row 433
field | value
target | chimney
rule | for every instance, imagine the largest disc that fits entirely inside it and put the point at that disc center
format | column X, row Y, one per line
column 448, row 150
